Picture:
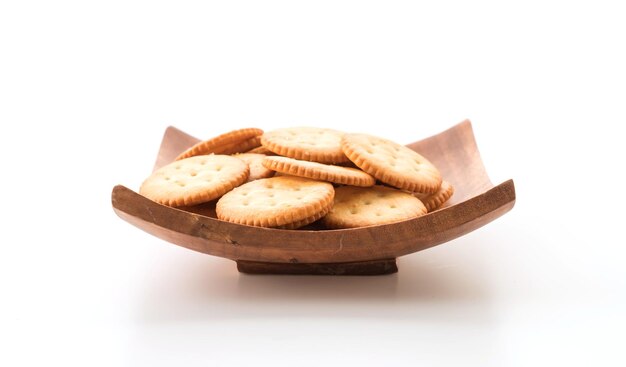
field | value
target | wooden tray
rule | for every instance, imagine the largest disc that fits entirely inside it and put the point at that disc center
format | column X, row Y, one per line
column 359, row 251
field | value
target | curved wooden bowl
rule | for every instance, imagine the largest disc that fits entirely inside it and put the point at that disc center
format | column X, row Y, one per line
column 364, row 251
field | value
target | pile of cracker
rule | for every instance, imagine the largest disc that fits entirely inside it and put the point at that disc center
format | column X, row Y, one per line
column 290, row 178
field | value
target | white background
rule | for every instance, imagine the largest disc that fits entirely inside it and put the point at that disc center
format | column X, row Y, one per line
column 87, row 89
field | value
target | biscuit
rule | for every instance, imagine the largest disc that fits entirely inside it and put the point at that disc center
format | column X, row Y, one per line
column 360, row 207
column 306, row 143
column 241, row 147
column 392, row 163
column 254, row 161
column 222, row 144
column 309, row 220
column 261, row 150
column 319, row 171
column 434, row 201
column 285, row 201
column 195, row 180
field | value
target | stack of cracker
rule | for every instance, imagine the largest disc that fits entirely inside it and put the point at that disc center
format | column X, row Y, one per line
column 290, row 178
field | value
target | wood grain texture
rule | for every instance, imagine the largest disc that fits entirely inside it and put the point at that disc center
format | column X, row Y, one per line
column 373, row 267
column 475, row 203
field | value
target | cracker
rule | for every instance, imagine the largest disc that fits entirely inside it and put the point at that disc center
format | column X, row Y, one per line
column 195, row 180
column 360, row 207
column 306, row 143
column 276, row 202
column 434, row 201
column 309, row 220
column 261, row 150
column 254, row 161
column 392, row 163
column 319, row 171
column 241, row 147
column 222, row 144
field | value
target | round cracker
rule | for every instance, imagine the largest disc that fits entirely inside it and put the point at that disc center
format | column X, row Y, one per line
column 241, row 147
column 254, row 161
column 434, row 201
column 319, row 171
column 360, row 207
column 261, row 150
column 392, row 163
column 276, row 202
column 195, row 180
column 223, row 144
column 306, row 143
column 306, row 221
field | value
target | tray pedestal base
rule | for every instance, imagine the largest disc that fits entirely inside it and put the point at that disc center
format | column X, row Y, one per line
column 374, row 267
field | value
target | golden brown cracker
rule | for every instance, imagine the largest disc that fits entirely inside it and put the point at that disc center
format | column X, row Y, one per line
column 241, row 147
column 306, row 143
column 226, row 143
column 194, row 180
column 434, row 201
column 392, row 163
column 360, row 207
column 276, row 202
column 261, row 150
column 255, row 162
column 319, row 171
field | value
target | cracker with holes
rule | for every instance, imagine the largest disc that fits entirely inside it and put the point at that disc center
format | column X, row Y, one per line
column 255, row 162
column 235, row 141
column 306, row 143
column 319, row 171
column 392, row 163
column 195, row 180
column 434, row 201
column 360, row 207
column 279, row 202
